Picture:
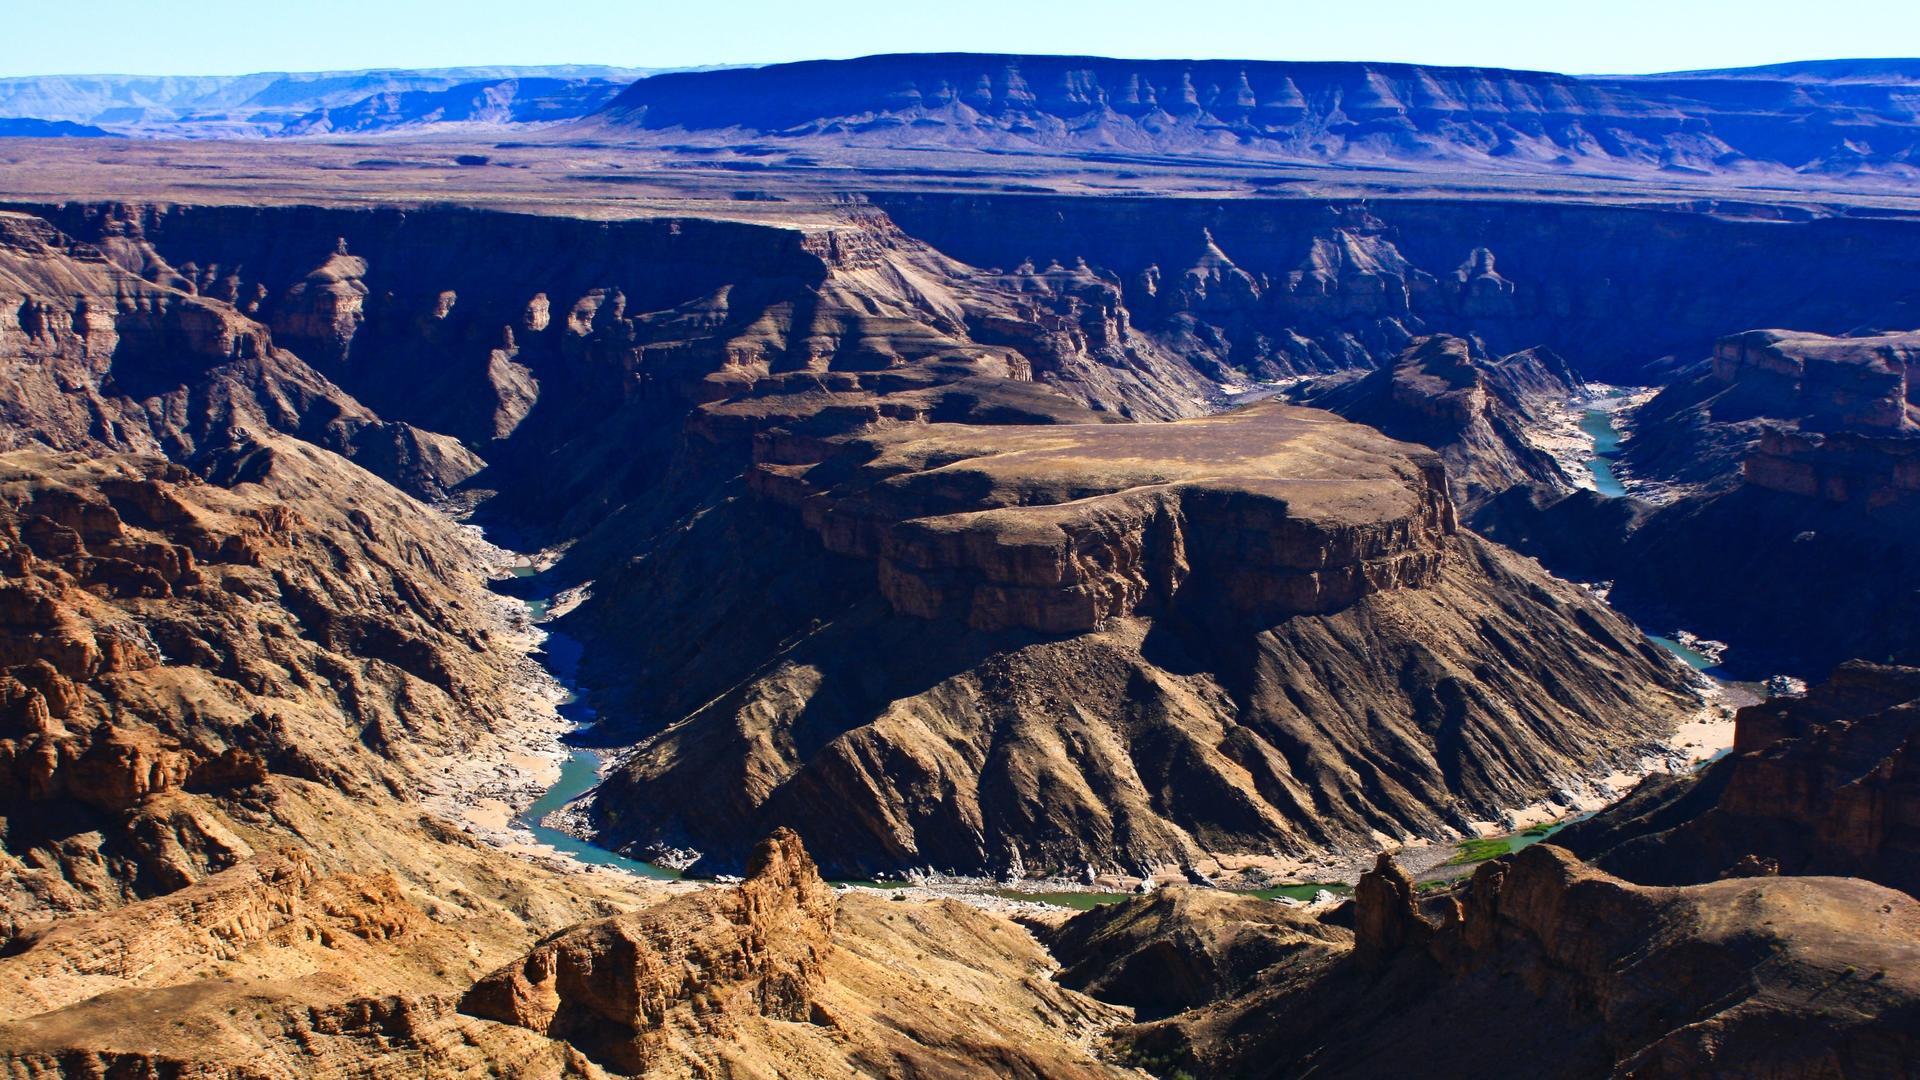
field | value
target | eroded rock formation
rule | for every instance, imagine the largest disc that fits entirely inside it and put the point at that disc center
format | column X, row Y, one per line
column 1825, row 784
column 613, row 988
column 1479, row 413
column 1789, row 976
column 1121, row 645
column 162, row 636
column 1487, row 118
column 99, row 356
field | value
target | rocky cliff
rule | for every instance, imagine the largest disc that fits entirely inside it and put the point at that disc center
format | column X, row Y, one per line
column 1483, row 415
column 100, row 356
column 166, row 637
column 1274, row 286
column 1341, row 112
column 1824, row 784
column 1788, row 976
column 1123, row 646
column 1789, row 468
column 570, row 351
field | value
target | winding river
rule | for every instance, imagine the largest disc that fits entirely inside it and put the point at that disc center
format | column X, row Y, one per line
column 581, row 771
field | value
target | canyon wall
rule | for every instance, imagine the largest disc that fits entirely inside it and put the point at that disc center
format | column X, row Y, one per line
column 1278, row 286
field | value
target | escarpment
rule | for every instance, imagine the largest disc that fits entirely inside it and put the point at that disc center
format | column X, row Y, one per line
column 1265, row 513
column 1111, row 646
column 1426, row 117
column 570, row 351
column 1786, row 466
column 1794, row 976
column 1478, row 412
column 1278, row 287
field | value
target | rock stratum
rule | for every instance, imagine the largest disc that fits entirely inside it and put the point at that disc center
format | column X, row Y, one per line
column 94, row 355
column 1787, row 466
column 1480, row 413
column 1116, row 646
column 1700, row 124
column 1824, row 784
column 910, row 525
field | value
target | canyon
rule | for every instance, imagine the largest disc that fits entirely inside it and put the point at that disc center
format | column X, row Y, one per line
column 1036, row 476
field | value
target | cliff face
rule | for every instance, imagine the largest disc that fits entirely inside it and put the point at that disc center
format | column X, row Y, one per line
column 1478, row 412
column 1349, row 112
column 95, row 356
column 1790, row 460
column 164, row 637
column 1267, row 513
column 1284, row 286
column 1119, row 645
column 1791, row 977
column 1825, row 784
column 571, row 351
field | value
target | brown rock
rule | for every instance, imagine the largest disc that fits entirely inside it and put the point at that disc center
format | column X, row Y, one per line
column 1825, row 784
column 612, row 988
column 1386, row 918
column 1781, row 976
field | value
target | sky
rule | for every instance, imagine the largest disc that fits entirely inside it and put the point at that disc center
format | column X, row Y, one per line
column 216, row 37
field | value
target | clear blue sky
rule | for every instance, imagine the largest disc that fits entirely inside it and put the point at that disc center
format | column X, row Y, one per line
column 1583, row 36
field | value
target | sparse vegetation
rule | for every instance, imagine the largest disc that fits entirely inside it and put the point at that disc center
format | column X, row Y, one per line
column 1480, row 849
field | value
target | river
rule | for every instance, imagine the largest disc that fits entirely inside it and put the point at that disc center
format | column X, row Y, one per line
column 581, row 771
column 1598, row 424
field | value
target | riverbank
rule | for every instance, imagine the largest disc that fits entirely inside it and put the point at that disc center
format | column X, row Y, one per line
column 487, row 792
column 1583, row 436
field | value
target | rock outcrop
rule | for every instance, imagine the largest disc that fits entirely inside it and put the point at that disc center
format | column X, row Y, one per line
column 95, row 357
column 1479, row 413
column 163, row 637
column 1326, row 285
column 1264, row 513
column 1789, row 464
column 782, row 974
column 1825, row 784
column 1183, row 947
column 614, row 988
column 1125, row 645
column 1789, row 411
column 1787, row 976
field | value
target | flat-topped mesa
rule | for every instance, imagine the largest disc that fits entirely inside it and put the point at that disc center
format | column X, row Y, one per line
column 1826, row 383
column 1849, row 428
column 1264, row 513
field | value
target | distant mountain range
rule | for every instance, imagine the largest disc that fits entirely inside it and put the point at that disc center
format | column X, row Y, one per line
column 316, row 102
column 1853, row 119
